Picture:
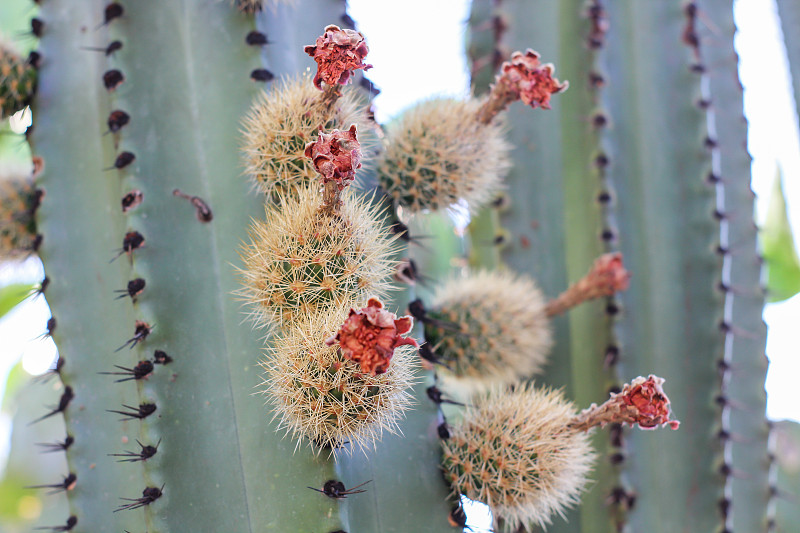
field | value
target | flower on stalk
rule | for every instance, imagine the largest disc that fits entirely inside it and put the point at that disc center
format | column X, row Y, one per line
column 336, row 155
column 645, row 403
column 338, row 53
column 528, row 80
column 642, row 402
column 370, row 335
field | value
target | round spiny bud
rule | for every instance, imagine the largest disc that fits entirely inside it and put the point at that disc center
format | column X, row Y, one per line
column 514, row 452
column 303, row 259
column 17, row 81
column 283, row 121
column 489, row 327
column 321, row 395
column 438, row 153
column 19, row 199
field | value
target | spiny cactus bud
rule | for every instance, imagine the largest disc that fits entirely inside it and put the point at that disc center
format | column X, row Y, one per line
column 607, row 276
column 338, row 53
column 522, row 78
column 19, row 199
column 370, row 336
column 283, row 121
column 489, row 327
column 642, row 402
column 438, row 153
column 325, row 397
column 302, row 259
column 17, row 81
column 514, row 452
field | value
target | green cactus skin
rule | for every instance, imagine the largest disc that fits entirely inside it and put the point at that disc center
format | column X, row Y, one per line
column 743, row 380
column 223, row 466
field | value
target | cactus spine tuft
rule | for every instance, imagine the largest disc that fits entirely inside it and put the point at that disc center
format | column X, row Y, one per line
column 438, row 153
column 302, row 260
column 489, row 327
column 515, row 452
column 321, row 395
column 284, row 120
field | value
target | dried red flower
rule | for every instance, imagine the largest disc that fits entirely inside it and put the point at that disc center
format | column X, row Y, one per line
column 528, row 80
column 608, row 275
column 337, row 52
column 642, row 402
column 336, row 155
column 370, row 335
column 647, row 403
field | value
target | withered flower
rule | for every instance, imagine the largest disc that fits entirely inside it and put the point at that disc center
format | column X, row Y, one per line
column 336, row 155
column 338, row 53
column 370, row 335
column 642, row 402
column 531, row 82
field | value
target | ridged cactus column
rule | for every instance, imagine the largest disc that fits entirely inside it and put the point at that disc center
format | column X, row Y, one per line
column 636, row 140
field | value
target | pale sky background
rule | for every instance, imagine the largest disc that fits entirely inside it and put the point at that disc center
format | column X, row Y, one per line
column 404, row 80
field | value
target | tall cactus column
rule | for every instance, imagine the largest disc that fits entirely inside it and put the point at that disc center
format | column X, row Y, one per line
column 628, row 147
column 183, row 78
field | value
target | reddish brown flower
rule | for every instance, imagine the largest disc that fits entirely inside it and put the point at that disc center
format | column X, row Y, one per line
column 336, row 155
column 608, row 275
column 528, row 80
column 642, row 402
column 370, row 335
column 338, row 53
column 646, row 402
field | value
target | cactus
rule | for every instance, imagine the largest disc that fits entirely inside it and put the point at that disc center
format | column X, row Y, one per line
column 17, row 81
column 650, row 127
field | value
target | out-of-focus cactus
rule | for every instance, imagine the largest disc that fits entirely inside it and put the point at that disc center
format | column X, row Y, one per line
column 642, row 155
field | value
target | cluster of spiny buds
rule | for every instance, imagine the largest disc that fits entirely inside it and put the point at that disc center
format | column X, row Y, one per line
column 339, row 371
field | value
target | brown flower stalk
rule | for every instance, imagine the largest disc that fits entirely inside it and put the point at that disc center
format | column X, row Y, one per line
column 522, row 78
column 370, row 335
column 338, row 53
column 336, row 156
column 641, row 402
column 607, row 276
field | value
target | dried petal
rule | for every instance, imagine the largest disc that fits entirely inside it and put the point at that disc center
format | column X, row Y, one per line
column 640, row 402
column 370, row 335
column 647, row 403
column 530, row 81
column 337, row 52
column 336, row 155
column 608, row 275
